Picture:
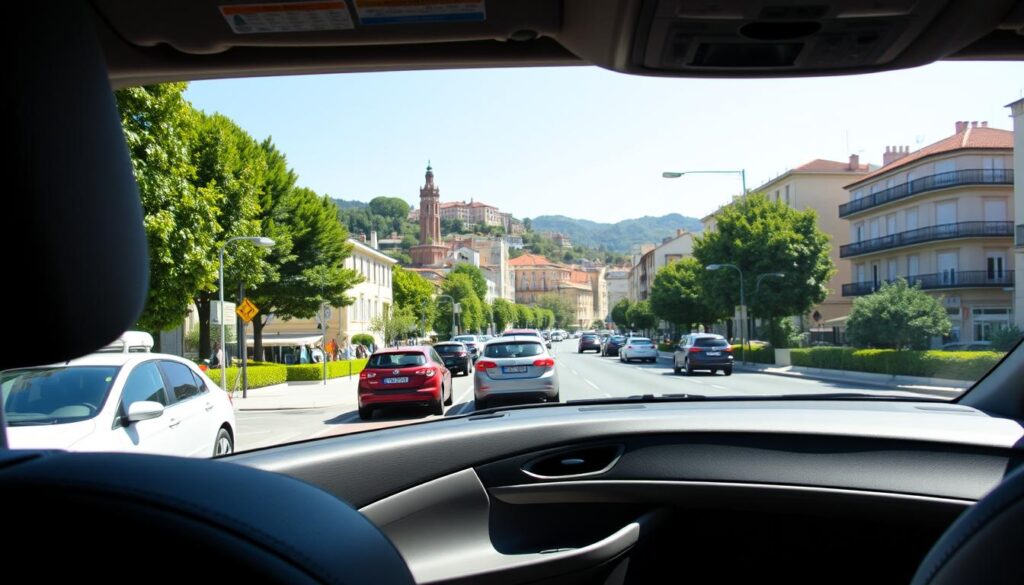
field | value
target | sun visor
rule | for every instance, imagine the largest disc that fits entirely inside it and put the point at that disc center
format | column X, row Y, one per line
column 75, row 270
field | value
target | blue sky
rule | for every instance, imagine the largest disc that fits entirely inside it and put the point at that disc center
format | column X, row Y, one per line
column 588, row 143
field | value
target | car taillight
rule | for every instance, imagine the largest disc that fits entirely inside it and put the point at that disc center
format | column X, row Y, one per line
column 544, row 363
column 428, row 372
column 695, row 350
column 727, row 348
column 485, row 365
column 364, row 375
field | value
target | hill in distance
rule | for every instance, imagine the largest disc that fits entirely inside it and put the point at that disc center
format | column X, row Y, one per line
column 350, row 204
column 619, row 236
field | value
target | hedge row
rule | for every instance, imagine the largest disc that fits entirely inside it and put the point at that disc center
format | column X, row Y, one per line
column 758, row 353
column 256, row 376
column 953, row 365
column 268, row 374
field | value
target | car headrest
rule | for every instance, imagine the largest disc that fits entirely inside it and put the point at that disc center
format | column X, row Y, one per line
column 75, row 246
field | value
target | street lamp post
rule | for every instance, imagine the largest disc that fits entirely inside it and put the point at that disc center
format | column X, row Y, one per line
column 675, row 175
column 262, row 243
column 743, row 305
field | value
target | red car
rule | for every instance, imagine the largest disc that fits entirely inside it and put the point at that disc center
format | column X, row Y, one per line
column 404, row 376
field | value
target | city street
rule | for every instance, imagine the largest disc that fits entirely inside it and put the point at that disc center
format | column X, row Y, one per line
column 581, row 377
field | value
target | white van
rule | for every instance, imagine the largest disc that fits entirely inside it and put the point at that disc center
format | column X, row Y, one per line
column 130, row 342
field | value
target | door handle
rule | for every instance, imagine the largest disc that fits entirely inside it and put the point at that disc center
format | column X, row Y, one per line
column 209, row 407
column 174, row 423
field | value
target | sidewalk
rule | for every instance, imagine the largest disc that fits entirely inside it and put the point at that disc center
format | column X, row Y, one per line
column 298, row 395
column 939, row 387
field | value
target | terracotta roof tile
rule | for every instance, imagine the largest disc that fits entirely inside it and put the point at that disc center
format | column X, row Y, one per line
column 970, row 137
column 820, row 165
column 529, row 260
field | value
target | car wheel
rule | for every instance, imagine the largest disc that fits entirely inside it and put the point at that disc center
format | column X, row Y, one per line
column 728, row 371
column 554, row 398
column 675, row 368
column 714, row 371
column 451, row 396
column 223, row 445
column 481, row 404
column 365, row 413
column 689, row 368
column 437, row 406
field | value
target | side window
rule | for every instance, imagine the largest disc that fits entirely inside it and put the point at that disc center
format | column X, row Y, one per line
column 144, row 383
column 183, row 383
column 199, row 382
column 433, row 355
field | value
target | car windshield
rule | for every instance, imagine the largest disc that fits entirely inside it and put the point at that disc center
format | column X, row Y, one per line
column 48, row 396
column 851, row 234
column 396, row 360
column 514, row 349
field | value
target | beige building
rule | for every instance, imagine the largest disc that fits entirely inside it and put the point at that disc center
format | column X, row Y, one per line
column 818, row 185
column 616, row 288
column 941, row 217
column 372, row 297
column 494, row 261
column 1017, row 113
column 535, row 275
column 641, row 275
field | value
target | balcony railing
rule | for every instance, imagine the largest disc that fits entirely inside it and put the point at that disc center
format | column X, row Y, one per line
column 1020, row 235
column 940, row 280
column 948, row 231
column 929, row 183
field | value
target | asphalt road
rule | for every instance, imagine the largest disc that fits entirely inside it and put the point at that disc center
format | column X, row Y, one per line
column 581, row 377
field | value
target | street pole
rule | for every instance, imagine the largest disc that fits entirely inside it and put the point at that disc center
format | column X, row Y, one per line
column 242, row 349
column 743, row 306
column 323, row 342
column 261, row 242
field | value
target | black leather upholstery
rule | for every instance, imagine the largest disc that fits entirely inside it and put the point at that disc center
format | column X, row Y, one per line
column 148, row 518
column 985, row 544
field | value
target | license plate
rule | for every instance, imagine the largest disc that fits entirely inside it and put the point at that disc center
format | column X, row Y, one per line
column 513, row 369
column 714, row 353
column 404, row 380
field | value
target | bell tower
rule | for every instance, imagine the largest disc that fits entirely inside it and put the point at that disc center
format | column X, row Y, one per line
column 431, row 250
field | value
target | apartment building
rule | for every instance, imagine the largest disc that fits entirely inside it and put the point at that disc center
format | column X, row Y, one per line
column 371, row 298
column 616, row 288
column 641, row 275
column 535, row 275
column 1017, row 113
column 941, row 217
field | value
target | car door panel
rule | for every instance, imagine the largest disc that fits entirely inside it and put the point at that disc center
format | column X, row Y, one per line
column 156, row 435
column 188, row 411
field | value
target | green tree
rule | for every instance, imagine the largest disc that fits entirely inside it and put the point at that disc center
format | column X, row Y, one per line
column 390, row 207
column 1004, row 338
column 640, row 316
column 504, row 314
column 460, row 288
column 314, row 272
column 620, row 313
column 524, row 316
column 677, row 295
column 597, row 324
column 231, row 164
column 412, row 291
column 561, row 307
column 159, row 128
column 897, row 316
column 452, row 226
column 761, row 236
column 476, row 275
column 394, row 325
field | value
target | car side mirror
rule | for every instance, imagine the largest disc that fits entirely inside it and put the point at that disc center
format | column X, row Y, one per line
column 681, row 346
column 144, row 410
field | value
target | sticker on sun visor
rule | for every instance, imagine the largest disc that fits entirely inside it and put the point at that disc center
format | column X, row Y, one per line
column 284, row 17
column 419, row 11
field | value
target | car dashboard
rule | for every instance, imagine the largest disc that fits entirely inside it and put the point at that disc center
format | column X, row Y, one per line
column 621, row 493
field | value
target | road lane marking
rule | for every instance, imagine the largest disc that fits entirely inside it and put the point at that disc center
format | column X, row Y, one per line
column 720, row 387
column 591, row 383
column 574, row 372
column 464, row 394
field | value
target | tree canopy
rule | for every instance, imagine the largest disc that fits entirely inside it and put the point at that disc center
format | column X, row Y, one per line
column 678, row 297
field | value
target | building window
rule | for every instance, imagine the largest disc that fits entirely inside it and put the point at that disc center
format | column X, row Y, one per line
column 787, row 194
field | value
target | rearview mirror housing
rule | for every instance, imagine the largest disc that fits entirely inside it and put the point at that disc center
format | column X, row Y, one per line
column 144, row 410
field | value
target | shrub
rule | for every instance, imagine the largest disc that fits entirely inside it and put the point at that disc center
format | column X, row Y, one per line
column 954, row 365
column 1004, row 338
column 335, row 369
column 256, row 376
column 758, row 353
column 669, row 347
column 363, row 339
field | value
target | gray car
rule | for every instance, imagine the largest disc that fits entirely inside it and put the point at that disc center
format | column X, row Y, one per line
column 515, row 366
column 702, row 351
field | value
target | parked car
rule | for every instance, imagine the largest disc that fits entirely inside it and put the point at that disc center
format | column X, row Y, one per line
column 515, row 366
column 612, row 345
column 137, row 402
column 702, row 351
column 968, row 346
column 403, row 376
column 638, row 348
column 588, row 341
column 457, row 357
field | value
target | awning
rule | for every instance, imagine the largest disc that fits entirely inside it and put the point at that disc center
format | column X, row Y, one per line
column 288, row 339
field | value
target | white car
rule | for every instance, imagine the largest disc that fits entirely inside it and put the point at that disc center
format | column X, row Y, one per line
column 137, row 402
column 638, row 348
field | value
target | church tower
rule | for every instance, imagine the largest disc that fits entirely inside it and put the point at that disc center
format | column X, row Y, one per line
column 431, row 250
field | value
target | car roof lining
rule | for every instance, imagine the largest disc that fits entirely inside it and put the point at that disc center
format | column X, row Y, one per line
column 165, row 40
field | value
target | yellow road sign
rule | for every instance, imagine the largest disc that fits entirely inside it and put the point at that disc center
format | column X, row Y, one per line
column 247, row 310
